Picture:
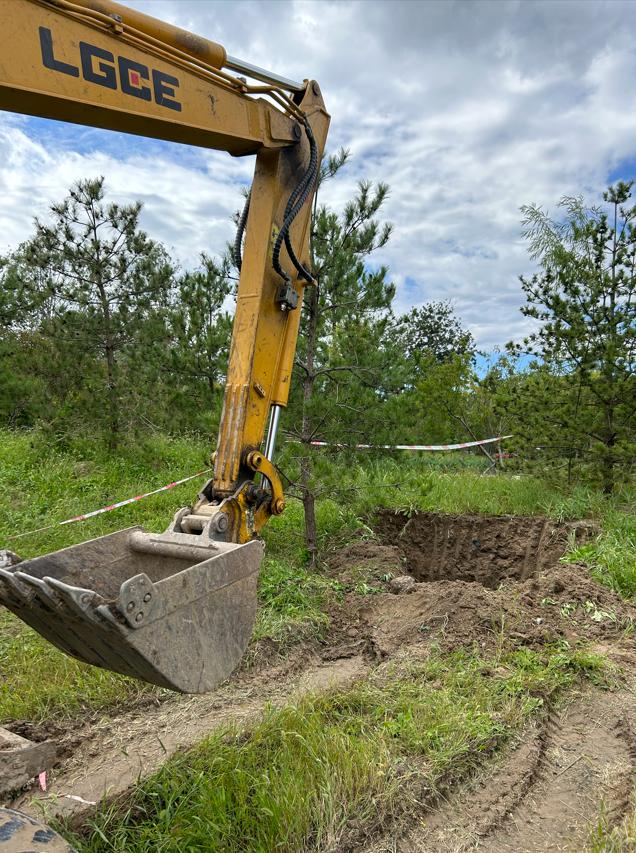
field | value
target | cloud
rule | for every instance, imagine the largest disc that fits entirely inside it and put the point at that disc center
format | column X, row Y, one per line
column 468, row 110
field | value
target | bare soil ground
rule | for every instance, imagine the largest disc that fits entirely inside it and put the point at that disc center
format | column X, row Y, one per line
column 467, row 581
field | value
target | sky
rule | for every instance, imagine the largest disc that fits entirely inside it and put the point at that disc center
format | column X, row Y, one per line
column 468, row 110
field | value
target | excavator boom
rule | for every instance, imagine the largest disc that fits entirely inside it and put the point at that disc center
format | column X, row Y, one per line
column 177, row 608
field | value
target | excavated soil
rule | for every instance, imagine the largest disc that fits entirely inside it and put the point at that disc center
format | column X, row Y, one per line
column 430, row 579
column 563, row 602
column 459, row 585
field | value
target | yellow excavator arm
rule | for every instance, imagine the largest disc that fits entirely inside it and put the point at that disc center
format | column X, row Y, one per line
column 177, row 608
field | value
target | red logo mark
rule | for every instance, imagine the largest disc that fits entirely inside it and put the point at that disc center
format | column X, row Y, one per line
column 135, row 79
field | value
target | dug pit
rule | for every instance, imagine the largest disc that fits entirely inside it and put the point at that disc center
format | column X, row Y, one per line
column 461, row 580
column 482, row 549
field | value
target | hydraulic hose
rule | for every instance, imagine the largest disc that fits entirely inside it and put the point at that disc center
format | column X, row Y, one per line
column 293, row 207
column 238, row 240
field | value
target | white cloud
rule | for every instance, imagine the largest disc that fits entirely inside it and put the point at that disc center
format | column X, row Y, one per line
column 467, row 109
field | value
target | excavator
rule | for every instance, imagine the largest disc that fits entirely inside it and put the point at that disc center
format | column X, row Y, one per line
column 176, row 609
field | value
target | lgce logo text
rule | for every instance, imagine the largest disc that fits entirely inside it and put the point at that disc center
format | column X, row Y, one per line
column 101, row 67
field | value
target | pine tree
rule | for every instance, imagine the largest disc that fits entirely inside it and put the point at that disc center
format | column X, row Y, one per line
column 340, row 367
column 91, row 281
column 584, row 299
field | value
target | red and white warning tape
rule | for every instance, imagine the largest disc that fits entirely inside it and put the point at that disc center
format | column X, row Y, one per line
column 131, row 500
column 119, row 504
column 111, row 506
column 461, row 446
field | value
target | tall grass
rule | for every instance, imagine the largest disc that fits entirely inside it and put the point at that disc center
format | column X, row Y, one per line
column 40, row 485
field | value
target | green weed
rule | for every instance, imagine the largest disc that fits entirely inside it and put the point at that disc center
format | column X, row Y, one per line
column 605, row 837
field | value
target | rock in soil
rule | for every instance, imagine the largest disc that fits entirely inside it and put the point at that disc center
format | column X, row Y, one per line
column 404, row 583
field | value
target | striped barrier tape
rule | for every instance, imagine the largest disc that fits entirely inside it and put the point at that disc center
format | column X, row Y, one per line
column 110, row 507
column 169, row 486
column 460, row 446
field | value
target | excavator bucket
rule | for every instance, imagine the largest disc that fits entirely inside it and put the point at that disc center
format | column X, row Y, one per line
column 174, row 609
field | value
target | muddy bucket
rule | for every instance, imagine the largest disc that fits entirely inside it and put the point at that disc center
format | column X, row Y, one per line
column 174, row 609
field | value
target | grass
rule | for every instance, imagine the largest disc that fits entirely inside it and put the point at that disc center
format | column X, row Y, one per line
column 292, row 602
column 318, row 774
column 605, row 837
column 612, row 557
column 41, row 484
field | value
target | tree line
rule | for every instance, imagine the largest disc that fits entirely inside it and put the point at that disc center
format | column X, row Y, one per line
column 103, row 335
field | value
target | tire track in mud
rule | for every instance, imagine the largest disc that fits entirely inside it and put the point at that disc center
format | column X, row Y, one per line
column 105, row 757
column 546, row 792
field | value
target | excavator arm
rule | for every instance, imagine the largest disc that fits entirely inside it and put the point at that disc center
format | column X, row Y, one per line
column 177, row 608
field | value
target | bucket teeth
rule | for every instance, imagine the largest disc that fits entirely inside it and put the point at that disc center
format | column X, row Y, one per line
column 77, row 610
column 50, row 609
column 41, row 590
column 84, row 629
column 79, row 601
column 74, row 619
column 13, row 591
column 19, row 598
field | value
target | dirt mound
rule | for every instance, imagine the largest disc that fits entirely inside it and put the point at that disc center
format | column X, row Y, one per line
column 478, row 548
column 562, row 603
column 499, row 582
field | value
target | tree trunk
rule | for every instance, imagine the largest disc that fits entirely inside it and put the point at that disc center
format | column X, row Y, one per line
column 609, row 458
column 113, row 402
column 111, row 367
column 608, row 468
column 309, row 507
column 308, row 497
column 109, row 343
